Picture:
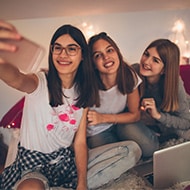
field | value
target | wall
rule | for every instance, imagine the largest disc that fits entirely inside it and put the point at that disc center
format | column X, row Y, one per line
column 132, row 32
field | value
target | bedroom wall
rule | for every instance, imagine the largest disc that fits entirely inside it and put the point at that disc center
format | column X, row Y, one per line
column 132, row 32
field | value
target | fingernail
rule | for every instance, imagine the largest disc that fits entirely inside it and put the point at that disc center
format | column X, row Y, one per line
column 13, row 48
column 18, row 36
column 142, row 108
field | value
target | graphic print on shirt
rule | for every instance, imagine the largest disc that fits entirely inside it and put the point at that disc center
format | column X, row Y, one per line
column 65, row 121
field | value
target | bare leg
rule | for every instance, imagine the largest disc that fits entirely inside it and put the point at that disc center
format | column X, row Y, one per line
column 31, row 184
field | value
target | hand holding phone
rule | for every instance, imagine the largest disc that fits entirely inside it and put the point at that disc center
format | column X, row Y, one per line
column 27, row 56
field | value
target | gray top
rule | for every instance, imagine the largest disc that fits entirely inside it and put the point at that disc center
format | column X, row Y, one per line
column 181, row 118
column 178, row 121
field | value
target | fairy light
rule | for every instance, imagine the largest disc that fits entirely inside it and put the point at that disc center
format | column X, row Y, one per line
column 180, row 39
column 186, row 55
column 8, row 126
column 88, row 29
column 179, row 26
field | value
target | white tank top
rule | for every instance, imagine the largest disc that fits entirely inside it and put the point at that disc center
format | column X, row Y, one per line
column 44, row 128
column 111, row 102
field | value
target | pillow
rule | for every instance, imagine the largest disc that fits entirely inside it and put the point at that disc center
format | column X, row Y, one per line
column 12, row 119
column 185, row 75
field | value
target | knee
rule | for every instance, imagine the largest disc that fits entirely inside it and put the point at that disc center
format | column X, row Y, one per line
column 148, row 144
column 129, row 131
column 31, row 184
column 144, row 137
column 148, row 151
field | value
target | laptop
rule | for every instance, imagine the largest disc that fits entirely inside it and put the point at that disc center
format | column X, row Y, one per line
column 170, row 166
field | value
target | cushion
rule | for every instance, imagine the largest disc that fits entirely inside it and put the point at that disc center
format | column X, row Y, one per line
column 12, row 119
column 185, row 75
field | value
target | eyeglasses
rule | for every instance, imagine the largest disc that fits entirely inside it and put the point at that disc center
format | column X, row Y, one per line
column 71, row 49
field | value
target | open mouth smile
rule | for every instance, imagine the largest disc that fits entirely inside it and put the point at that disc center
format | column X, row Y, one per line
column 146, row 67
column 108, row 64
column 64, row 62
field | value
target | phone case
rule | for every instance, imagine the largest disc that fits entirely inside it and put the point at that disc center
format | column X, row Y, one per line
column 27, row 57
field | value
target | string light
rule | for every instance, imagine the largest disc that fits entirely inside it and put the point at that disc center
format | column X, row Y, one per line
column 180, row 39
column 88, row 29
column 179, row 26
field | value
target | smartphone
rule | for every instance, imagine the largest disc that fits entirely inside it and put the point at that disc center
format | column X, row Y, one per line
column 27, row 57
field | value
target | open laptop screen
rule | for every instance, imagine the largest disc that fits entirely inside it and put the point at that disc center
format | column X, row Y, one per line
column 171, row 165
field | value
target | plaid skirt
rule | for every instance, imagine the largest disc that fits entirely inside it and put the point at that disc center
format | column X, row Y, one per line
column 58, row 167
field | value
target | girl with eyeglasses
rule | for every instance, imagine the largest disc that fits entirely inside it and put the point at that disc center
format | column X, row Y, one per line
column 52, row 148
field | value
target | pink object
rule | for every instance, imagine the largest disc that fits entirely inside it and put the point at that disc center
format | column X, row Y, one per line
column 74, row 107
column 50, row 127
column 64, row 117
column 187, row 187
column 12, row 119
column 72, row 121
column 185, row 75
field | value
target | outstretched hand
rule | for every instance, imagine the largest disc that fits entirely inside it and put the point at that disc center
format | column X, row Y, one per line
column 7, row 32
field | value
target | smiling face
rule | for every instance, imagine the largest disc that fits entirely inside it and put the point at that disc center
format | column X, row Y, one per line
column 105, row 57
column 151, row 65
column 65, row 63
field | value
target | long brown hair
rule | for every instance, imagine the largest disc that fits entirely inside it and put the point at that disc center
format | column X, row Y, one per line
column 84, row 80
column 170, row 56
column 126, row 76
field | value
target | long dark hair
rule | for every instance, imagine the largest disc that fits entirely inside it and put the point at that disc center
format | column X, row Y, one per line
column 84, row 79
column 126, row 76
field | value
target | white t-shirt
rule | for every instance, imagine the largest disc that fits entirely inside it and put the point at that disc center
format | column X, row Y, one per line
column 111, row 102
column 45, row 128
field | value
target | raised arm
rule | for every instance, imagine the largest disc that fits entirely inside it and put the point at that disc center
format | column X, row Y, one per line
column 9, row 73
column 8, row 31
